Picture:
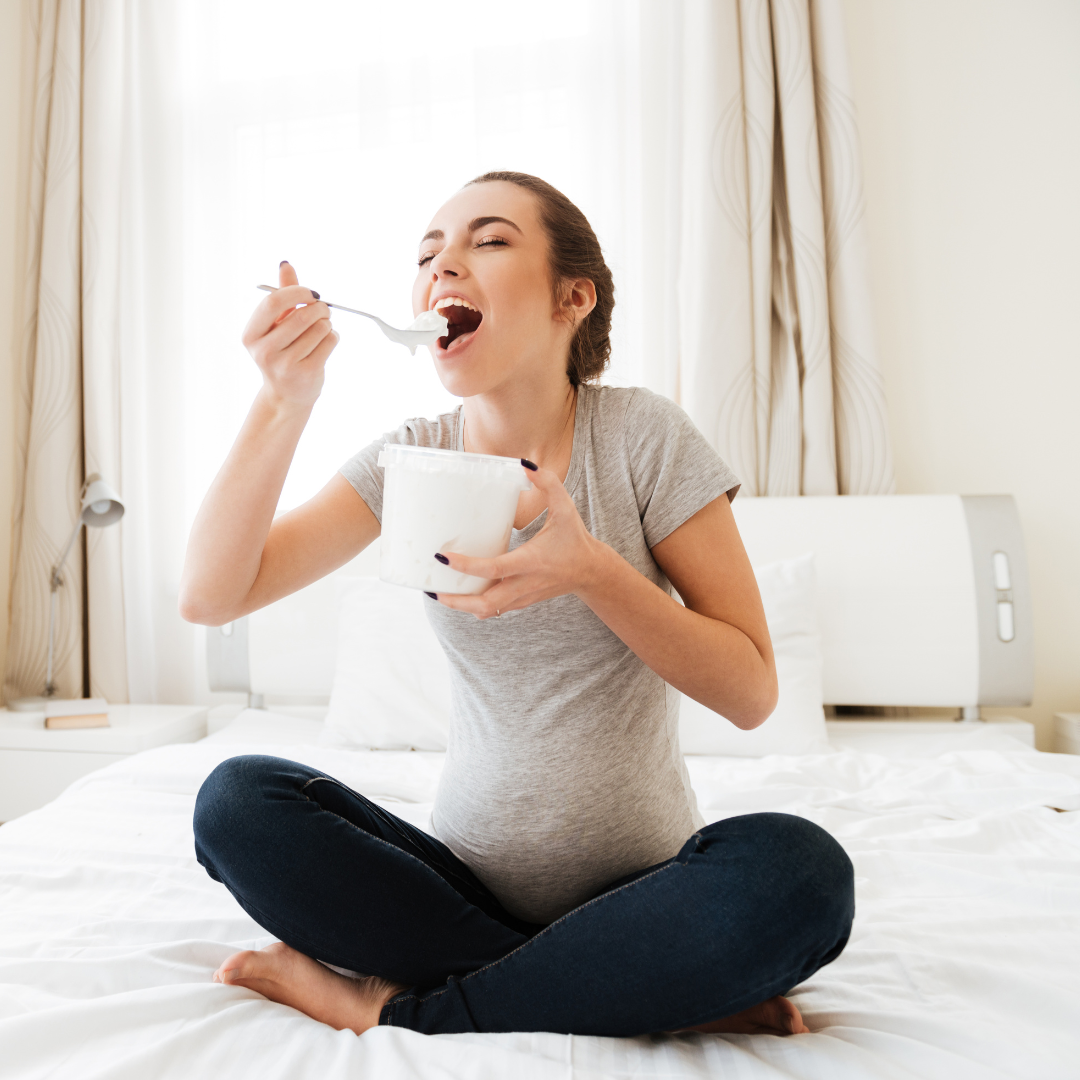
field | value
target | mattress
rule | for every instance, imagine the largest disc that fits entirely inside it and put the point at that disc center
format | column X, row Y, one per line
column 962, row 962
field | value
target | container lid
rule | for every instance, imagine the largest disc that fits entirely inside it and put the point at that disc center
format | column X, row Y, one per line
column 454, row 462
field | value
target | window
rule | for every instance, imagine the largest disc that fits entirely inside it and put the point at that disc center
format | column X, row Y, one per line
column 328, row 134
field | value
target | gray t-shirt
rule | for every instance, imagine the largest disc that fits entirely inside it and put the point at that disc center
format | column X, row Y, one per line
column 563, row 770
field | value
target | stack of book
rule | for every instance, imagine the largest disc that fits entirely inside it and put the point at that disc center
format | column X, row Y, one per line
column 76, row 713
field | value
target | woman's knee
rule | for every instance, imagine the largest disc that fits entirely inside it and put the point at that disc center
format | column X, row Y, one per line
column 819, row 875
column 230, row 801
column 800, row 868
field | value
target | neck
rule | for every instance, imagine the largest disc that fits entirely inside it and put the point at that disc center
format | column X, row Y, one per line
column 523, row 420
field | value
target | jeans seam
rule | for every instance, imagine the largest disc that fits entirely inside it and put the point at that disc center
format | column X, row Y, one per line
column 574, row 911
column 525, row 944
column 407, row 854
column 377, row 839
column 403, row 998
column 389, row 819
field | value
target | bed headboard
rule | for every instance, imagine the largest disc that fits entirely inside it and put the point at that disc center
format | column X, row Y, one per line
column 923, row 601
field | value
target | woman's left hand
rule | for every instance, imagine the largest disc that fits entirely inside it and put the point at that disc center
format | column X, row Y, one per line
column 561, row 558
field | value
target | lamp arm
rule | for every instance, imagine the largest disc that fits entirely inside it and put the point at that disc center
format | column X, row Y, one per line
column 54, row 576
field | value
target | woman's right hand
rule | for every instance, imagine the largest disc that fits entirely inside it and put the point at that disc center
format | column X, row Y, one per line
column 290, row 337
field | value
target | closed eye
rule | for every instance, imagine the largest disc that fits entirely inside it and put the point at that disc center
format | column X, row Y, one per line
column 488, row 241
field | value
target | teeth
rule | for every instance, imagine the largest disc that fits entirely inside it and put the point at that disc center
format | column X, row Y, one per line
column 453, row 301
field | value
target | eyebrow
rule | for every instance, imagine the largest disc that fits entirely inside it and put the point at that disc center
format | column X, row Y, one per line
column 476, row 223
column 480, row 222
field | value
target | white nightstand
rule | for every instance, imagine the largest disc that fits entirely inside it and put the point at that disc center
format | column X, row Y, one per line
column 36, row 765
column 1067, row 732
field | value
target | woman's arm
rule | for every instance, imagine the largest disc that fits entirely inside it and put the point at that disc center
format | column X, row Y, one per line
column 716, row 649
column 238, row 557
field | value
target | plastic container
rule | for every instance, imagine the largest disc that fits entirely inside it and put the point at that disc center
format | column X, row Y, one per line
column 445, row 500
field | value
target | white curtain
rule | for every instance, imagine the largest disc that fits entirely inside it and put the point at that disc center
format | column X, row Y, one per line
column 99, row 358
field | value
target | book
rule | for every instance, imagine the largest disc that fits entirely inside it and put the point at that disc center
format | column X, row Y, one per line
column 63, row 715
column 82, row 720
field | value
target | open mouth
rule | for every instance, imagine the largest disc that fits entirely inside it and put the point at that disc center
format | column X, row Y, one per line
column 462, row 317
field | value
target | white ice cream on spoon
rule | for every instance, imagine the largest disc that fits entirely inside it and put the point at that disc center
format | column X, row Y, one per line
column 425, row 329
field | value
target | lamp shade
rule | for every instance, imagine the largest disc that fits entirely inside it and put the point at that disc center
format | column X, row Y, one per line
column 101, row 505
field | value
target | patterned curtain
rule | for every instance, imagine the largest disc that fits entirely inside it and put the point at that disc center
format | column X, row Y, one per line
column 94, row 211
column 49, row 423
column 777, row 358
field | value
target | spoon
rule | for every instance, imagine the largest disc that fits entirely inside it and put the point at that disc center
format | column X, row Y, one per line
column 425, row 329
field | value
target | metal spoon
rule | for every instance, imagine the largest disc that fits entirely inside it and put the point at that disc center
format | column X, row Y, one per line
column 411, row 336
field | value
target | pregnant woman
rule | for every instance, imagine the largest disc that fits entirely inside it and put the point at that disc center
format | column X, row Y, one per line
column 570, row 884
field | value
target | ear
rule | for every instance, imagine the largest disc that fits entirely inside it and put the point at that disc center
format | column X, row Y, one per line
column 578, row 299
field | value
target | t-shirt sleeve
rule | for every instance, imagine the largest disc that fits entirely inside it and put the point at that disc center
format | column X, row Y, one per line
column 675, row 471
column 365, row 474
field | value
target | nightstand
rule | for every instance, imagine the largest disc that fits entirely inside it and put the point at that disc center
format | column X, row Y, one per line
column 36, row 765
column 1067, row 732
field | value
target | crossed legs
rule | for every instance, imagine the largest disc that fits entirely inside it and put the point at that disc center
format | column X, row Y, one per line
column 709, row 940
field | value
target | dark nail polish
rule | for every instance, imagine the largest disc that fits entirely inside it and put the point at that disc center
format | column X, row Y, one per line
column 431, row 594
column 442, row 558
column 315, row 294
column 284, row 262
column 528, row 464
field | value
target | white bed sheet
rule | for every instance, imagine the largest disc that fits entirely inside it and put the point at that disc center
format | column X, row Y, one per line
column 962, row 962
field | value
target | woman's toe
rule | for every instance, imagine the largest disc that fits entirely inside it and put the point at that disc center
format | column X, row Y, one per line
column 787, row 1016
column 235, row 967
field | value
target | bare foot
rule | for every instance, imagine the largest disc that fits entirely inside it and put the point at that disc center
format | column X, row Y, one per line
column 777, row 1016
column 285, row 975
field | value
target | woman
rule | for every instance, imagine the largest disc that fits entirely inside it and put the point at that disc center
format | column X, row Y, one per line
column 573, row 886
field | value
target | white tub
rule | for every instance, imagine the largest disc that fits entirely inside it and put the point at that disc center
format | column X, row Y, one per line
column 445, row 500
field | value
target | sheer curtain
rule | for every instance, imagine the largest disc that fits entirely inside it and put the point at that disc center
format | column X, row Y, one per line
column 711, row 143
column 330, row 138
column 331, row 141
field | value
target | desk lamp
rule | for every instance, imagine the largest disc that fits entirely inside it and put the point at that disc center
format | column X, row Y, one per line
column 101, row 506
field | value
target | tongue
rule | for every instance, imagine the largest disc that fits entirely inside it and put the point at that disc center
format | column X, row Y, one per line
column 457, row 333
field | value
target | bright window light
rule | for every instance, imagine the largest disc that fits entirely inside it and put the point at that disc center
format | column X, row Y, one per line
column 328, row 134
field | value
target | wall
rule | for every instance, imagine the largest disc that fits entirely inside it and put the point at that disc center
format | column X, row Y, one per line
column 970, row 118
column 11, row 12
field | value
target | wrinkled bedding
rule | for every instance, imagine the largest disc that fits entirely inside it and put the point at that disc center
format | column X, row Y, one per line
column 963, row 961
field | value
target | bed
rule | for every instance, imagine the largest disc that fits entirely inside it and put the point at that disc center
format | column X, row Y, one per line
column 964, row 838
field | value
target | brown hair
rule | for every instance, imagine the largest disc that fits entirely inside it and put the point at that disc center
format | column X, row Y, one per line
column 574, row 253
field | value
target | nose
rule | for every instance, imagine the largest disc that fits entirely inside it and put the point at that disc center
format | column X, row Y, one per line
column 444, row 265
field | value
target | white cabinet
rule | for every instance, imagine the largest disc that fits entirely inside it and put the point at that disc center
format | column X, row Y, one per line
column 36, row 765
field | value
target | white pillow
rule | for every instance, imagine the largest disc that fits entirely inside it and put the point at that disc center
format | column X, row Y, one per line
column 391, row 685
column 788, row 592
column 392, row 689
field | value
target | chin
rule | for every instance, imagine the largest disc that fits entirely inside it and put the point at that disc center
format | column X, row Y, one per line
column 464, row 369
column 460, row 383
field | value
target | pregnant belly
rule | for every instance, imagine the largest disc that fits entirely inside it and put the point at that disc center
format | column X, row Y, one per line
column 543, row 845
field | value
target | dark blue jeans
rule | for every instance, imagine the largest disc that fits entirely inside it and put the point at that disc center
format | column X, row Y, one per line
column 749, row 908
